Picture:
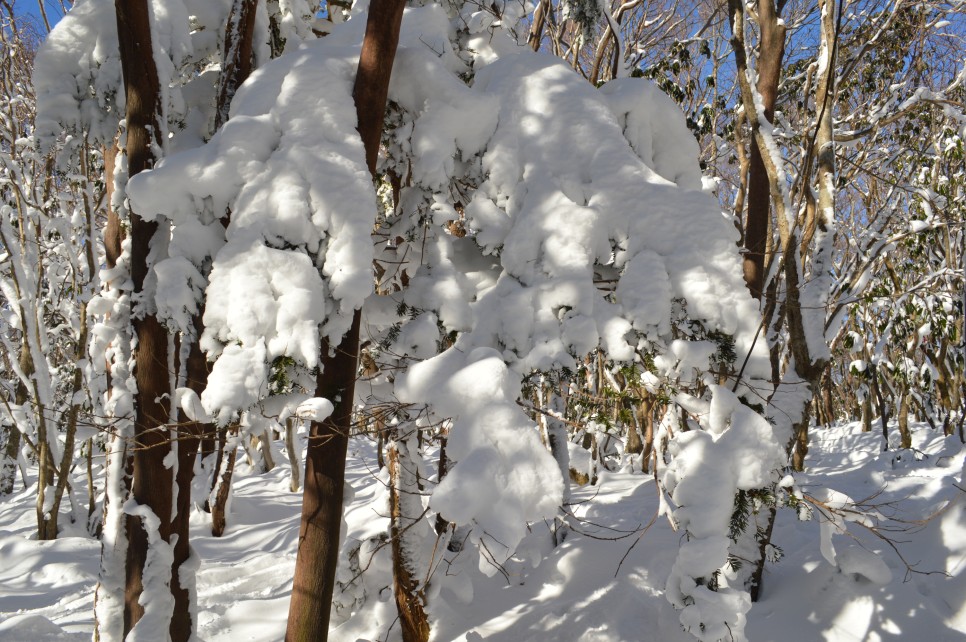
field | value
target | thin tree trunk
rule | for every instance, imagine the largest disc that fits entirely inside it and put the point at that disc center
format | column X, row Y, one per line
column 647, row 419
column 265, row 441
column 91, row 492
column 189, row 441
column 10, row 437
column 11, row 447
column 770, row 57
column 883, row 411
column 903, row 420
column 109, row 594
column 238, row 53
column 49, row 521
column 536, row 27
column 222, row 490
column 295, row 462
column 113, row 233
column 318, row 549
column 219, row 445
column 441, row 522
column 867, row 412
column 635, row 444
column 404, row 509
column 754, row 588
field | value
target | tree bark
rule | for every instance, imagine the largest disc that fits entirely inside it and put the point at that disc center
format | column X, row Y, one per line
column 221, row 490
column 536, row 28
column 113, row 234
column 295, row 462
column 189, row 440
column 404, row 505
column 867, row 412
column 10, row 438
column 318, row 550
column 11, row 443
column 152, row 482
column 770, row 56
column 239, row 54
column 902, row 419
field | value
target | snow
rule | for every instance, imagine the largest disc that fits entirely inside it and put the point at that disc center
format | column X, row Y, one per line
column 315, row 409
column 77, row 74
column 490, row 439
column 295, row 259
column 583, row 590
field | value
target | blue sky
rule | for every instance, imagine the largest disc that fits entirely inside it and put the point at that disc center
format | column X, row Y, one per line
column 29, row 8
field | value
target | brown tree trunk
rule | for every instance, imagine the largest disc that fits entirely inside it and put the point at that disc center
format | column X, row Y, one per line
column 222, row 487
column 903, row 420
column 536, row 27
column 314, row 582
column 10, row 438
column 189, row 441
column 633, row 444
column 754, row 588
column 828, row 403
column 113, row 234
column 883, row 411
column 238, row 52
column 11, row 447
column 441, row 522
column 867, row 412
column 771, row 53
column 295, row 462
column 410, row 598
column 328, row 441
column 152, row 482
column 647, row 419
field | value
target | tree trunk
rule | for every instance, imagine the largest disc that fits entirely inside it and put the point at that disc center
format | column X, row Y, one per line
column 828, row 401
column 189, row 441
column 536, row 27
column 633, row 444
column 444, row 465
column 91, row 490
column 11, row 436
column 221, row 492
column 758, row 573
column 559, row 448
column 49, row 519
column 152, row 482
column 647, row 419
column 799, row 446
column 771, row 53
column 405, row 509
column 314, row 582
column 10, row 439
column 867, row 412
column 295, row 462
column 328, row 441
column 883, row 411
column 238, row 53
column 903, row 421
column 113, row 234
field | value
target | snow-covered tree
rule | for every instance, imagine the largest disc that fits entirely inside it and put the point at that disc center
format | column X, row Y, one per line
column 49, row 203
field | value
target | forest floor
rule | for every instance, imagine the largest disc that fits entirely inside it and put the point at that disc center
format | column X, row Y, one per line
column 603, row 583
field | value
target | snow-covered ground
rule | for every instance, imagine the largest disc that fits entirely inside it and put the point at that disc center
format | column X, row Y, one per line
column 604, row 583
